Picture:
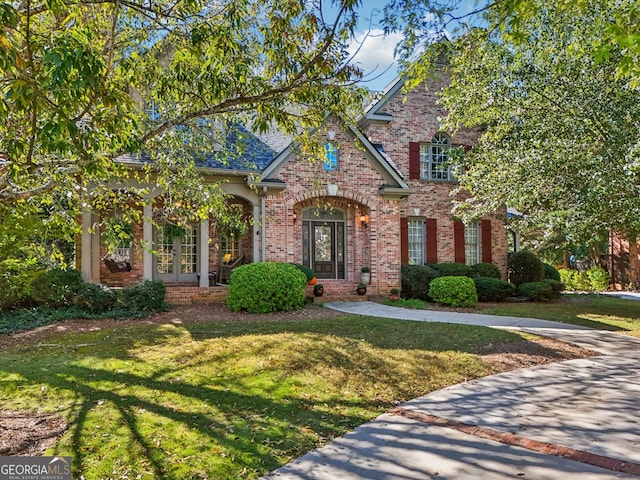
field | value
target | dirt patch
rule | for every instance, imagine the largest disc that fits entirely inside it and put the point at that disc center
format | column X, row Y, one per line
column 25, row 433
column 29, row 434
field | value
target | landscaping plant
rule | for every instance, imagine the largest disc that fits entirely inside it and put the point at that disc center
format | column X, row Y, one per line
column 525, row 267
column 454, row 291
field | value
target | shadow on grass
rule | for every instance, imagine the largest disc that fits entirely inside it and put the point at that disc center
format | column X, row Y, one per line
column 259, row 425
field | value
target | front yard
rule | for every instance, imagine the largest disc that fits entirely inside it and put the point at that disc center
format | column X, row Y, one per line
column 176, row 398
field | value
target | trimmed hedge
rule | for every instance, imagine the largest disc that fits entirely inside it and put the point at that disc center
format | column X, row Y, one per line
column 599, row 279
column 16, row 283
column 416, row 280
column 57, row 287
column 452, row 270
column 525, row 267
column 308, row 272
column 485, row 269
column 491, row 289
column 456, row 291
column 146, row 296
column 575, row 280
column 557, row 287
column 266, row 287
column 551, row 272
column 536, row 291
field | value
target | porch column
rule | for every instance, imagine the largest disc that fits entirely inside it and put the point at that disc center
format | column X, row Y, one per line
column 147, row 243
column 87, row 243
column 257, row 221
column 204, row 253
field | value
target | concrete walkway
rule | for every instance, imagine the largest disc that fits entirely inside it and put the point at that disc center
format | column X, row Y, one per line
column 578, row 419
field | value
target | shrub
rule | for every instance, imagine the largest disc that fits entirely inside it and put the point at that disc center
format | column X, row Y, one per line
column 575, row 280
column 525, row 267
column 16, row 283
column 308, row 272
column 493, row 289
column 599, row 278
column 57, row 287
column 454, row 290
column 266, row 287
column 551, row 272
column 416, row 280
column 147, row 296
column 486, row 270
column 452, row 270
column 536, row 291
column 556, row 286
column 365, row 270
column 95, row 298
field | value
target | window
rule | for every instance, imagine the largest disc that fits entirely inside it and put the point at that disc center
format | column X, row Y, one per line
column 434, row 159
column 152, row 111
column 472, row 243
column 331, row 158
column 229, row 246
column 416, row 241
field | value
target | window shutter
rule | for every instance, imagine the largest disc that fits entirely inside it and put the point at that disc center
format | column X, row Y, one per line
column 432, row 240
column 486, row 241
column 458, row 241
column 414, row 160
column 404, row 240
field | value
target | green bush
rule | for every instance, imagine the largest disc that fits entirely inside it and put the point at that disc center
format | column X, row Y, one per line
column 416, row 280
column 454, row 290
column 574, row 280
column 535, row 291
column 525, row 267
column 551, row 272
column 146, row 296
column 486, row 270
column 308, row 272
column 557, row 286
column 57, row 287
column 16, row 283
column 452, row 270
column 491, row 289
column 266, row 287
column 599, row 278
column 95, row 298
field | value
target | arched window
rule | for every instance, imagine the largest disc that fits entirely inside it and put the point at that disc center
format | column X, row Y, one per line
column 434, row 158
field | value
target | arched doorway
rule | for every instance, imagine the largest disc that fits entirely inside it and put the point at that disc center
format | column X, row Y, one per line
column 323, row 241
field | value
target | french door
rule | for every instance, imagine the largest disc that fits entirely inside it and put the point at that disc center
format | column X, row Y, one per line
column 177, row 254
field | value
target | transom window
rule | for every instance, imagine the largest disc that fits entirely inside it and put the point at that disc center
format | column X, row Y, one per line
column 331, row 157
column 434, row 159
column 416, row 241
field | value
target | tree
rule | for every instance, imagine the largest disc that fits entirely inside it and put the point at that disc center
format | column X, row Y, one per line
column 84, row 82
column 560, row 140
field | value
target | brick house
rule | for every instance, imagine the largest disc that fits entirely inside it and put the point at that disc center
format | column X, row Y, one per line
column 380, row 198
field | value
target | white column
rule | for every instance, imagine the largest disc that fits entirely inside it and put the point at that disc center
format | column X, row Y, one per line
column 204, row 253
column 256, row 233
column 87, row 240
column 147, row 243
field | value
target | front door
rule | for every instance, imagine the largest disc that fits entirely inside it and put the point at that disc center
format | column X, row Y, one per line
column 323, row 242
column 176, row 258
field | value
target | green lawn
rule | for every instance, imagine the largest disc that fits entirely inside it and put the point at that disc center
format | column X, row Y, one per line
column 229, row 400
column 595, row 311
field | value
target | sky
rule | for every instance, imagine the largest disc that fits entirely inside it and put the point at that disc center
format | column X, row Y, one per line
column 375, row 54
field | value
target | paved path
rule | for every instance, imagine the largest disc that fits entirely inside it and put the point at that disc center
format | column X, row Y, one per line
column 578, row 419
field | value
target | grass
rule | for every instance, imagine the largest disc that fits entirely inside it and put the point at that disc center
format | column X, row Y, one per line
column 229, row 400
column 594, row 311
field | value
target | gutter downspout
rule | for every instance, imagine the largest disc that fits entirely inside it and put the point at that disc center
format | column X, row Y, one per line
column 263, row 214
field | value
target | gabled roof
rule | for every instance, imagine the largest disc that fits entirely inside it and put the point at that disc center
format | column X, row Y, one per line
column 374, row 111
column 395, row 185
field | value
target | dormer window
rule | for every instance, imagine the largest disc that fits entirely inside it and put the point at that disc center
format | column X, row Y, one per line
column 434, row 159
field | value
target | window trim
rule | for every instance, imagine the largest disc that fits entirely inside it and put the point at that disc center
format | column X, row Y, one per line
column 477, row 245
column 422, row 243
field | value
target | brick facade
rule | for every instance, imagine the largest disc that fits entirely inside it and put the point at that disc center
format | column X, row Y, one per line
column 362, row 178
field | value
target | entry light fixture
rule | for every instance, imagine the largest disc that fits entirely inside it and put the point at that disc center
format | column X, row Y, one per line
column 295, row 217
column 363, row 220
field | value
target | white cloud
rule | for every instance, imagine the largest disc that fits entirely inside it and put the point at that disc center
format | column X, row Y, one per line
column 373, row 52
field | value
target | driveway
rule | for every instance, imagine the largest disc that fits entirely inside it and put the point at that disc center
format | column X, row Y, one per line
column 578, row 419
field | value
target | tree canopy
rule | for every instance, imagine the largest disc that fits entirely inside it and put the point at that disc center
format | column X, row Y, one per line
column 84, row 82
